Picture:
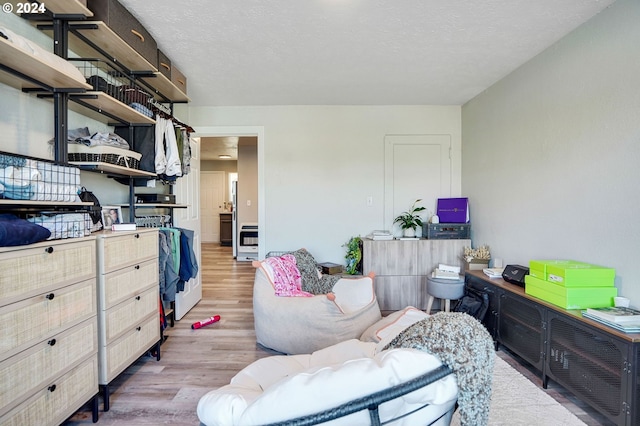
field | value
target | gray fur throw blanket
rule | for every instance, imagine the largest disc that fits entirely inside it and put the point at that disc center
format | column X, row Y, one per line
column 312, row 281
column 462, row 343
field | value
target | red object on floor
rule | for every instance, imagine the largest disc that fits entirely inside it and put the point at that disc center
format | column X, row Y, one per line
column 199, row 324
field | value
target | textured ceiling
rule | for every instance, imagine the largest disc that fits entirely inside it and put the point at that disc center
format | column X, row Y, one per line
column 353, row 52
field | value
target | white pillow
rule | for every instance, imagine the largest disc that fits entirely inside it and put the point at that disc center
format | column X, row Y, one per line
column 391, row 325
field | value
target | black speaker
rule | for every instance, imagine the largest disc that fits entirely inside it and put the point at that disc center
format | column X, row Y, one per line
column 515, row 274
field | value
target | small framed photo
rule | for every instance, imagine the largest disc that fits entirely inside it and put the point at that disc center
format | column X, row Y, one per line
column 111, row 215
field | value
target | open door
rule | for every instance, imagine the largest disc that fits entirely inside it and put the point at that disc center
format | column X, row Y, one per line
column 187, row 191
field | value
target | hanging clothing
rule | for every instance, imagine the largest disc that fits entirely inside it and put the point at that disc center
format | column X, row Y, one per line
column 174, row 167
column 167, row 273
column 186, row 154
column 142, row 140
column 188, row 261
column 160, row 157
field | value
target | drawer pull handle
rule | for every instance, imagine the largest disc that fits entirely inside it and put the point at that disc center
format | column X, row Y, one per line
column 49, row 250
column 138, row 328
column 51, row 388
column 137, row 297
column 50, row 296
column 167, row 67
column 51, row 342
column 137, row 235
column 181, row 82
column 137, row 267
column 137, row 34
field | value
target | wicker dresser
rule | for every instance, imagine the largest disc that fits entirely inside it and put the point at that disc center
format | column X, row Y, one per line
column 48, row 343
column 128, row 301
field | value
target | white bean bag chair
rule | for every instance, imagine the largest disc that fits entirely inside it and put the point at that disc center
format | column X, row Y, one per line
column 301, row 325
column 280, row 388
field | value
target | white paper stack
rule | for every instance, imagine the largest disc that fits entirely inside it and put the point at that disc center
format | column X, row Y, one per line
column 448, row 272
column 380, row 235
column 493, row 272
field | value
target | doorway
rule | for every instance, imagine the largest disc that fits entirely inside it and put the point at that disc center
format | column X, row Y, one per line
column 253, row 201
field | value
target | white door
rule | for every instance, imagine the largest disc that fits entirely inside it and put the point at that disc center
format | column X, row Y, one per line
column 187, row 191
column 212, row 190
column 416, row 167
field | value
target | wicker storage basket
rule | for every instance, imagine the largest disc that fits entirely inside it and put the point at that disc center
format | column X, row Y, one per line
column 104, row 154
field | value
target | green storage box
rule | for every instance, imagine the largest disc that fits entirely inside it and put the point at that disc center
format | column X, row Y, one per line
column 570, row 297
column 538, row 268
column 580, row 274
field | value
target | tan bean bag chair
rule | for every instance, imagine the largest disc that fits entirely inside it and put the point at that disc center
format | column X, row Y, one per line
column 301, row 325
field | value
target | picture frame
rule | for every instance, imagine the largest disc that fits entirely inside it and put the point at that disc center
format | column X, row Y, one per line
column 111, row 215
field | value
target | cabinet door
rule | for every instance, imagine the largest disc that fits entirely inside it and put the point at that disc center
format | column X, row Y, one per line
column 394, row 257
column 634, row 396
column 433, row 252
column 490, row 320
column 399, row 291
column 589, row 363
column 520, row 328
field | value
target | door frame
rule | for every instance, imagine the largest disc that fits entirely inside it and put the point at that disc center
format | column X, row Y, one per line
column 258, row 132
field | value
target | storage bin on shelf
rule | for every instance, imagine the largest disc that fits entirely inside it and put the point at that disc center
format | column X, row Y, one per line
column 103, row 77
column 79, row 153
column 27, row 179
column 570, row 284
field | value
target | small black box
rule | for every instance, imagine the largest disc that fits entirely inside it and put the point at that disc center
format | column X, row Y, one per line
column 515, row 274
column 156, row 198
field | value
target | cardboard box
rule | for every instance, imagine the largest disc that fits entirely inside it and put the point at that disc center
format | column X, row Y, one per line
column 476, row 265
column 570, row 297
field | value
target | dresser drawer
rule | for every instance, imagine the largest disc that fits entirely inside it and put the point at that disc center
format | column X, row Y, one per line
column 127, row 282
column 26, row 272
column 121, row 249
column 58, row 399
column 125, row 25
column 127, row 315
column 120, row 354
column 29, row 321
column 35, row 367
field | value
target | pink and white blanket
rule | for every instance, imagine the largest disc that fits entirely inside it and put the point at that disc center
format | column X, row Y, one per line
column 286, row 276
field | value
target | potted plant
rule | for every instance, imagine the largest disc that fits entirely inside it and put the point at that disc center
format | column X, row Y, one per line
column 354, row 255
column 410, row 219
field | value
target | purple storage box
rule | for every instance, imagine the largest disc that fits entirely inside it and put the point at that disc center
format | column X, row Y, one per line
column 453, row 210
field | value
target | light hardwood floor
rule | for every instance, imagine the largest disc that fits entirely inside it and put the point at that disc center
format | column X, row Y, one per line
column 193, row 362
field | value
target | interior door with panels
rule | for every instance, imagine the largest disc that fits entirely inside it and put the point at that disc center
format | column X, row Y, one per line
column 187, row 190
column 416, row 167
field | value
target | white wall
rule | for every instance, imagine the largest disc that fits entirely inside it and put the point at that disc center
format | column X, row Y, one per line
column 322, row 162
column 551, row 153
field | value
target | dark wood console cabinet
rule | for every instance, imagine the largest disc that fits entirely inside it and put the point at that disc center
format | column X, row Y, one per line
column 596, row 363
column 226, row 229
